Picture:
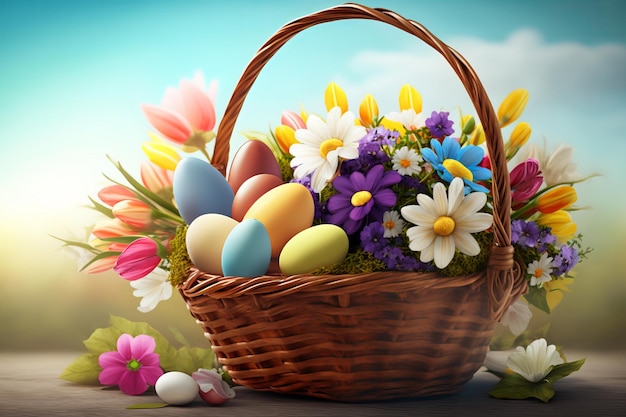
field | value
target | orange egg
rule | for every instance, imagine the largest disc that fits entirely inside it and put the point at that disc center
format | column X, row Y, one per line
column 252, row 158
column 284, row 211
column 250, row 191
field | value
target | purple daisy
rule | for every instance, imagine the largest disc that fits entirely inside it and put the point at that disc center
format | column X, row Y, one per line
column 361, row 197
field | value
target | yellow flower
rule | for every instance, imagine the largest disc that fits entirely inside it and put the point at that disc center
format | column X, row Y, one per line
column 558, row 198
column 561, row 224
column 162, row 154
column 478, row 136
column 410, row 98
column 554, row 290
column 334, row 96
column 519, row 137
column 368, row 110
column 285, row 136
column 512, row 107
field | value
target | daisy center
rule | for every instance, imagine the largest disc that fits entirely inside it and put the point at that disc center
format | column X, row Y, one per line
column 360, row 198
column 538, row 273
column 329, row 145
column 457, row 169
column 133, row 365
column 405, row 163
column 444, row 226
column 390, row 225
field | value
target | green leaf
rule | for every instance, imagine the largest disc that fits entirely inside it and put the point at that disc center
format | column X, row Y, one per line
column 179, row 336
column 564, row 369
column 537, row 297
column 146, row 405
column 84, row 370
column 167, row 353
column 516, row 387
column 190, row 360
column 107, row 211
column 102, row 340
column 99, row 256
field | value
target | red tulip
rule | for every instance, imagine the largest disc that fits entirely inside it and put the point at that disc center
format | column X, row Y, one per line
column 525, row 181
column 138, row 259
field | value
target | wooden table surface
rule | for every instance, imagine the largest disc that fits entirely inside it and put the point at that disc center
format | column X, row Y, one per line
column 30, row 386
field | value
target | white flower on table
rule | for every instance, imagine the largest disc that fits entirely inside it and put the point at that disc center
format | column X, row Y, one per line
column 534, row 362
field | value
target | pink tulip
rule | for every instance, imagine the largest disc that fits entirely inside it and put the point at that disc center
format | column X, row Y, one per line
column 108, row 228
column 133, row 212
column 183, row 111
column 293, row 120
column 525, row 181
column 138, row 259
column 154, row 177
column 113, row 194
column 101, row 265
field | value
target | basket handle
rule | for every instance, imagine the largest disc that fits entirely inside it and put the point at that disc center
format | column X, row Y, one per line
column 501, row 258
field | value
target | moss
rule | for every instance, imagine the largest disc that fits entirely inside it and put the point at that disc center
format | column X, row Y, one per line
column 463, row 264
column 355, row 263
column 179, row 260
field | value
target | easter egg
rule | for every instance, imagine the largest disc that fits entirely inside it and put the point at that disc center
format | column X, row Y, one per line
column 284, row 211
column 252, row 158
column 322, row 245
column 199, row 188
column 205, row 240
column 176, row 388
column 250, row 191
column 247, row 250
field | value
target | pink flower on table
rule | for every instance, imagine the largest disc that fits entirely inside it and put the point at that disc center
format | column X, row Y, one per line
column 184, row 111
column 138, row 259
column 133, row 367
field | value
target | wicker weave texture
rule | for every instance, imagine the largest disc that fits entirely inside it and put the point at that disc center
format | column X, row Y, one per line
column 360, row 337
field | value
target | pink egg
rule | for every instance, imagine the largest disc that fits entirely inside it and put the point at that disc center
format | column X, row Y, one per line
column 252, row 158
column 250, row 191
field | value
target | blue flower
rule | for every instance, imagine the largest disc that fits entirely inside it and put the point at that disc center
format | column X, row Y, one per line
column 451, row 160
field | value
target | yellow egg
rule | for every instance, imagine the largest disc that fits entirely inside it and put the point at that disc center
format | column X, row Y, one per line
column 284, row 211
column 205, row 239
column 323, row 245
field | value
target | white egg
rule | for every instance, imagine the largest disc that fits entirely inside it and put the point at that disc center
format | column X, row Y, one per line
column 176, row 388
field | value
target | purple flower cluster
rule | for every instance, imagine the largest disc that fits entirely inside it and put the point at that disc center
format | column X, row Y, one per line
column 388, row 250
column 371, row 151
column 530, row 235
column 565, row 260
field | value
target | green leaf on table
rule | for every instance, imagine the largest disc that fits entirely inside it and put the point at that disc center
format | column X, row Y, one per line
column 102, row 340
column 146, row 405
column 84, row 370
column 167, row 353
column 190, row 360
column 537, row 297
column 516, row 387
column 564, row 369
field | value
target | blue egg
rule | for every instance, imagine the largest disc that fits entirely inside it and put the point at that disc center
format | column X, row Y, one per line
column 199, row 188
column 247, row 250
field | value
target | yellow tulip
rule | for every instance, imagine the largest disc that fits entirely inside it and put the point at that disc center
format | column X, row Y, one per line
column 478, row 136
column 519, row 137
column 512, row 107
column 162, row 154
column 285, row 136
column 410, row 98
column 561, row 224
column 468, row 124
column 334, row 96
column 558, row 198
column 368, row 110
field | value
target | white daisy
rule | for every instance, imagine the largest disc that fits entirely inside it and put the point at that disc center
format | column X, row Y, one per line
column 517, row 317
column 154, row 288
column 406, row 161
column 323, row 143
column 534, row 362
column 540, row 270
column 408, row 118
column 445, row 223
column 392, row 223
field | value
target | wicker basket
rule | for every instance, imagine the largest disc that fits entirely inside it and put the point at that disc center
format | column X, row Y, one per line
column 359, row 337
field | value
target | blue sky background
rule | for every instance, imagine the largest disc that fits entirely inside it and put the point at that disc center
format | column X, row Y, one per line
column 74, row 74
